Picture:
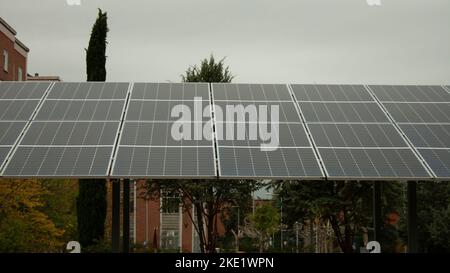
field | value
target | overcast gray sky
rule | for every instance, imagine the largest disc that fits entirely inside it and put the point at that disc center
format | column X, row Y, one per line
column 265, row 41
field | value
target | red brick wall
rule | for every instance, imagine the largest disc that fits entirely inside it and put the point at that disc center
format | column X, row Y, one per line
column 16, row 60
column 186, row 237
column 145, row 230
column 145, row 226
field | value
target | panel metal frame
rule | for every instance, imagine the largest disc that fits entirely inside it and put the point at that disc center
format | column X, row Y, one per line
column 120, row 130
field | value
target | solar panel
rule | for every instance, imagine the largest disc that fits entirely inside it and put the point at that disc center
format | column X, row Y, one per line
column 9, row 131
column 423, row 115
column 164, row 162
column 251, row 92
column 243, row 152
column 331, row 92
column 428, row 135
column 342, row 112
column 353, row 135
column 23, row 90
column 411, row 93
column 439, row 161
column 73, row 134
column 147, row 146
column 356, row 135
column 80, row 110
column 4, row 150
column 17, row 109
column 245, row 162
column 372, row 164
column 68, row 161
column 99, row 130
column 18, row 102
column 139, row 110
column 419, row 112
column 170, row 91
column 289, row 134
column 89, row 90
column 234, row 109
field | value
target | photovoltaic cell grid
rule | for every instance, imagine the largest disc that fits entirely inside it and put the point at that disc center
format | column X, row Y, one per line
column 247, row 148
column 18, row 101
column 73, row 133
column 354, row 137
column 167, row 133
column 423, row 114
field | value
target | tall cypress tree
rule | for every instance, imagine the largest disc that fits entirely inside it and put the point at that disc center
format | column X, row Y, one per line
column 96, row 52
column 91, row 201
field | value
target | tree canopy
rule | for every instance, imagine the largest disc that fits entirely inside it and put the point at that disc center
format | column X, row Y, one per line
column 209, row 71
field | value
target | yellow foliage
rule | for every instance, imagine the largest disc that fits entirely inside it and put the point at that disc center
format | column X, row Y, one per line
column 23, row 227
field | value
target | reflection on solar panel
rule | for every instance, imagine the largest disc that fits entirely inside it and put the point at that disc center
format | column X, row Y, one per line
column 293, row 157
column 18, row 101
column 73, row 133
column 354, row 137
column 147, row 147
column 423, row 114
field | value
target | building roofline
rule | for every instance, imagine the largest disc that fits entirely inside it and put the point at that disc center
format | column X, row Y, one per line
column 19, row 43
column 10, row 28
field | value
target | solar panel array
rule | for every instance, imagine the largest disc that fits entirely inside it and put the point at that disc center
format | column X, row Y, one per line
column 228, row 131
column 354, row 136
column 287, row 153
column 423, row 114
column 18, row 102
column 147, row 147
column 73, row 133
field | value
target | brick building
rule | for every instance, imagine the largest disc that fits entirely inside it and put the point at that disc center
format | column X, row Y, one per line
column 171, row 226
column 13, row 55
column 39, row 78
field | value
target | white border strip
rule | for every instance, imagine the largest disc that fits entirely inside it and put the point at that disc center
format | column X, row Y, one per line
column 119, row 131
column 311, row 141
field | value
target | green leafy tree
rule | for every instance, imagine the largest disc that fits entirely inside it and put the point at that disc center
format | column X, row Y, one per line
column 60, row 206
column 24, row 227
column 96, row 52
column 210, row 198
column 347, row 205
column 209, row 71
column 433, row 211
column 91, row 202
column 265, row 221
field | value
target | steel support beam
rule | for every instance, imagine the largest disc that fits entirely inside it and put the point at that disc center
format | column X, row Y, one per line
column 115, row 216
column 126, row 216
column 413, row 246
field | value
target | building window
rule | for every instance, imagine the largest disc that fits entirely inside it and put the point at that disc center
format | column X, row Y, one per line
column 170, row 203
column 5, row 60
column 19, row 74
